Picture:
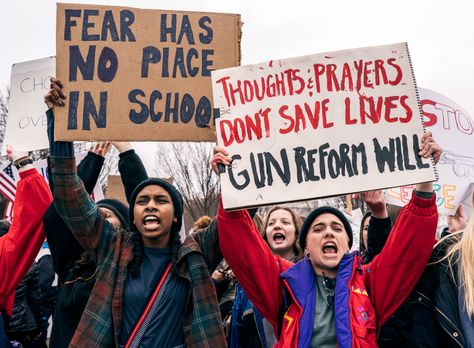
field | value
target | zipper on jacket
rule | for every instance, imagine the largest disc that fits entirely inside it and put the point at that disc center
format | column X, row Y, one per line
column 450, row 334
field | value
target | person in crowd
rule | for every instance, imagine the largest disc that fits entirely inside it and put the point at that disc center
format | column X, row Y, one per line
column 280, row 231
column 364, row 235
column 330, row 298
column 19, row 247
column 26, row 321
column 48, row 285
column 456, row 222
column 170, row 298
column 75, row 267
column 434, row 314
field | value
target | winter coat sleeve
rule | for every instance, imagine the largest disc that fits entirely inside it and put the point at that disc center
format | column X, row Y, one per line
column 393, row 274
column 19, row 247
column 132, row 171
column 65, row 249
column 379, row 230
column 252, row 262
column 34, row 295
column 208, row 241
column 77, row 209
column 89, row 170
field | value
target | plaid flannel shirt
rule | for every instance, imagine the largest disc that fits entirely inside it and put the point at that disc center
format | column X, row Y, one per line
column 113, row 251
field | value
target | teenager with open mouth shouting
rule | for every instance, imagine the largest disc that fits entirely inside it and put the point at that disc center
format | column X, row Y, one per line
column 306, row 308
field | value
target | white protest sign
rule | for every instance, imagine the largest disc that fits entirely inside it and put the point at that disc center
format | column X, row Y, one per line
column 453, row 129
column 320, row 125
column 42, row 168
column 26, row 122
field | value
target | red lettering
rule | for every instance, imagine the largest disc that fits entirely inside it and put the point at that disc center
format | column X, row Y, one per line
column 227, row 137
column 367, row 72
column 331, row 77
column 430, row 119
column 409, row 112
column 324, row 109
column 346, row 76
column 282, row 110
column 398, row 78
column 380, row 71
column 318, row 71
column 225, row 90
column 348, row 111
column 389, row 105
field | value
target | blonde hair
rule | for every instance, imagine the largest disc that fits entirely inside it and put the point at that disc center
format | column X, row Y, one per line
column 462, row 252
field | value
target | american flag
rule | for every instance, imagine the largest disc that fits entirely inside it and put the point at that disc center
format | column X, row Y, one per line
column 8, row 188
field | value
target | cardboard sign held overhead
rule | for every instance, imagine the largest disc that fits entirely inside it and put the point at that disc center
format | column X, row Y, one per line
column 134, row 74
column 453, row 129
column 320, row 125
column 26, row 122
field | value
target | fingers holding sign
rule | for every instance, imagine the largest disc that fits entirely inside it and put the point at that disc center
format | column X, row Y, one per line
column 55, row 96
column 429, row 147
column 100, row 148
column 221, row 156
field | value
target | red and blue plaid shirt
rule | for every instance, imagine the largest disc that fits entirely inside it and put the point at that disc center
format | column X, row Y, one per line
column 113, row 251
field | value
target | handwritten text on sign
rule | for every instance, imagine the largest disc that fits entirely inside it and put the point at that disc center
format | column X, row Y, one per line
column 134, row 74
column 319, row 125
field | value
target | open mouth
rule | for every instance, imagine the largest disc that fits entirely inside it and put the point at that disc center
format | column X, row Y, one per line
column 279, row 238
column 151, row 222
column 329, row 248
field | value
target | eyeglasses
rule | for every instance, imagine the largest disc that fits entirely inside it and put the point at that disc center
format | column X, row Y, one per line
column 329, row 285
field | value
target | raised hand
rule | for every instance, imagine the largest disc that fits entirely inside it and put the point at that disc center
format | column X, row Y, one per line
column 101, row 148
column 221, row 155
column 55, row 96
column 430, row 147
column 122, row 146
column 375, row 200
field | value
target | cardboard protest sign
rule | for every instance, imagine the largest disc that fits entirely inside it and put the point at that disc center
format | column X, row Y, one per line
column 26, row 122
column 320, row 125
column 453, row 129
column 115, row 189
column 134, row 74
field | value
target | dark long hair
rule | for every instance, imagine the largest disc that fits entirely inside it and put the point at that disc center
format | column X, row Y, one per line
column 138, row 249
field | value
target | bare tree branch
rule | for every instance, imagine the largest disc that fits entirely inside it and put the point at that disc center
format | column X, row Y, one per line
column 188, row 165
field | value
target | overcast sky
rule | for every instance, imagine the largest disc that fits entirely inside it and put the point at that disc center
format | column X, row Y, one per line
column 440, row 34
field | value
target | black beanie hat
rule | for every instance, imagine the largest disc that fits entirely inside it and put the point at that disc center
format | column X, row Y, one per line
column 119, row 209
column 173, row 192
column 323, row 210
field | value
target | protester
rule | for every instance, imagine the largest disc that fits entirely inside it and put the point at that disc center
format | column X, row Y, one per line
column 248, row 328
column 48, row 284
column 26, row 321
column 21, row 244
column 133, row 263
column 432, row 315
column 363, row 233
column 456, row 222
column 74, row 265
column 350, row 301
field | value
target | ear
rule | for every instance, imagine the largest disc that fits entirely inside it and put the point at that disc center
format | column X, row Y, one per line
column 175, row 219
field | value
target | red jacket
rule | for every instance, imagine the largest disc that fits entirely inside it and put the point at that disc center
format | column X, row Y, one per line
column 365, row 295
column 19, row 247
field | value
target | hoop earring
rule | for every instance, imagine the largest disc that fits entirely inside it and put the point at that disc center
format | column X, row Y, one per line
column 307, row 256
